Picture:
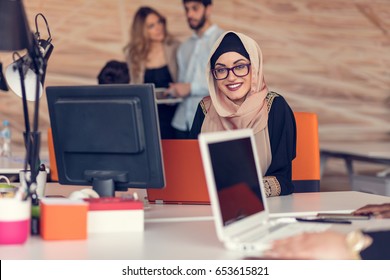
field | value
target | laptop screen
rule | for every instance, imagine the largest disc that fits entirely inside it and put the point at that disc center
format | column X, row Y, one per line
column 236, row 179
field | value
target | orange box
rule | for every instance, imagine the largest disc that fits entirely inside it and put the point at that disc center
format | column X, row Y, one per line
column 63, row 219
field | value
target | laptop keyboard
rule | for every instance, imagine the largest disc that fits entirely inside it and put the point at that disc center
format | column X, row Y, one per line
column 296, row 228
column 280, row 230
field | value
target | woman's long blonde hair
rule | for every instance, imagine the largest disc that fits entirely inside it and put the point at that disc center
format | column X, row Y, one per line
column 138, row 47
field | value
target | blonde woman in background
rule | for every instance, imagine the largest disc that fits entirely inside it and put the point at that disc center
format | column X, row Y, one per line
column 151, row 56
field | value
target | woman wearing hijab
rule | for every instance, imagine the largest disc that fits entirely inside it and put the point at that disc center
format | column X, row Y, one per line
column 151, row 56
column 239, row 98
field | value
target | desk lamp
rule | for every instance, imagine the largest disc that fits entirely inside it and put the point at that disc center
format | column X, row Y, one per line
column 15, row 35
column 26, row 64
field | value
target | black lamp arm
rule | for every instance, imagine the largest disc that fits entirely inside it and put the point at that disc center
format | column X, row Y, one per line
column 33, row 153
column 37, row 33
column 32, row 137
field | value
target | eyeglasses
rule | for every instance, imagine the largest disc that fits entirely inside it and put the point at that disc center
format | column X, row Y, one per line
column 239, row 70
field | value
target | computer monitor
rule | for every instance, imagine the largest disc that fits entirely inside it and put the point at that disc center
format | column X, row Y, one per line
column 106, row 136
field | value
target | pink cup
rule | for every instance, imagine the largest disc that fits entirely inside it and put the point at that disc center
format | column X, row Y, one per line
column 14, row 220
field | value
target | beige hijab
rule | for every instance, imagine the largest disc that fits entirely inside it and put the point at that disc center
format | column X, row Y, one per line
column 223, row 114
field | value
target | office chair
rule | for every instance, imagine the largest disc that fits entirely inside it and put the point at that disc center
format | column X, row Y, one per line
column 52, row 156
column 306, row 165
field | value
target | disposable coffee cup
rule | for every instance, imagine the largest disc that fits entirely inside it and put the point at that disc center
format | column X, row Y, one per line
column 14, row 220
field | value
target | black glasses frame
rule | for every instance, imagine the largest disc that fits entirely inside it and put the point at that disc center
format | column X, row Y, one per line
column 247, row 65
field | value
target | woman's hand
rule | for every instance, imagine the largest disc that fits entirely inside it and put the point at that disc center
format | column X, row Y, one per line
column 378, row 210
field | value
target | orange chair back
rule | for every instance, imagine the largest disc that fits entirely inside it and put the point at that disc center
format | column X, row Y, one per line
column 52, row 156
column 306, row 165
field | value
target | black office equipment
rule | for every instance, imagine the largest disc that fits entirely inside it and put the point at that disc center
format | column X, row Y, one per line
column 106, row 136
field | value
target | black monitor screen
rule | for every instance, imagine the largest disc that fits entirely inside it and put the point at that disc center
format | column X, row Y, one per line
column 106, row 136
column 236, row 179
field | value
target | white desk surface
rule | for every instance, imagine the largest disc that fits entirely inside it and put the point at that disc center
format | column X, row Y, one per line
column 168, row 235
column 297, row 204
column 303, row 204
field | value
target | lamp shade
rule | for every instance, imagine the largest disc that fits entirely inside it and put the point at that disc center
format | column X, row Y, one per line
column 14, row 29
column 30, row 78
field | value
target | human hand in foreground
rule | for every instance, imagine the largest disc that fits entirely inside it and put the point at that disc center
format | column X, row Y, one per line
column 381, row 211
column 319, row 245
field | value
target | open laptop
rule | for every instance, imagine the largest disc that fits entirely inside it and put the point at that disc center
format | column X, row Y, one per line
column 184, row 175
column 237, row 196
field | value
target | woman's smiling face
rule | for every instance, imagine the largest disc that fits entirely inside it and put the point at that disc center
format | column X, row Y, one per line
column 237, row 84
